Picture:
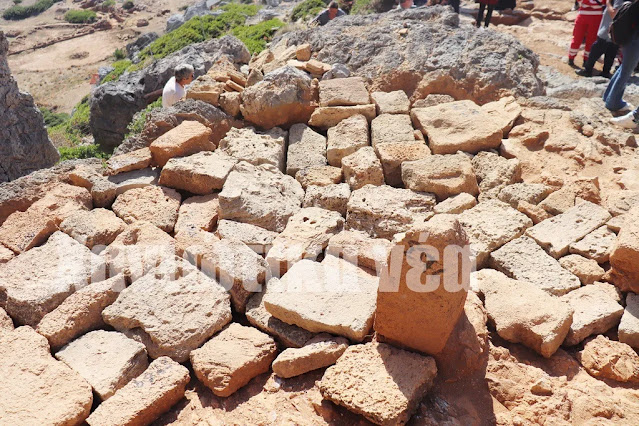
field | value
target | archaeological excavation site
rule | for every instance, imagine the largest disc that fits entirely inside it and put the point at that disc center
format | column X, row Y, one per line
column 394, row 218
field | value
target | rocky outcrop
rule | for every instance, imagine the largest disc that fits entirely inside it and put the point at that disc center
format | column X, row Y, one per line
column 25, row 144
column 114, row 104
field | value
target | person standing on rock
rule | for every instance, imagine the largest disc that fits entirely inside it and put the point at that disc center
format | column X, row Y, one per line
column 174, row 90
column 332, row 11
column 603, row 45
column 586, row 27
column 483, row 5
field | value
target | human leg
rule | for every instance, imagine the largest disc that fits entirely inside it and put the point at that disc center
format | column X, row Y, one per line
column 489, row 14
column 593, row 22
column 578, row 34
column 609, row 58
column 617, row 86
column 480, row 14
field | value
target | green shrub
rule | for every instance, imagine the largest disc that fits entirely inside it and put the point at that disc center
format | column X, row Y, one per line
column 80, row 16
column 79, row 121
column 108, row 3
column 17, row 1
column 53, row 119
column 81, row 152
column 119, row 54
column 136, row 125
column 17, row 11
column 128, row 5
column 119, row 67
column 256, row 36
column 68, row 130
column 307, row 8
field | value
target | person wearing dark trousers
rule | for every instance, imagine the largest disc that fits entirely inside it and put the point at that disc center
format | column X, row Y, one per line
column 603, row 45
column 488, row 6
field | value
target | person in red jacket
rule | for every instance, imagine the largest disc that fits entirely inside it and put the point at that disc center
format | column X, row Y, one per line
column 586, row 26
column 483, row 5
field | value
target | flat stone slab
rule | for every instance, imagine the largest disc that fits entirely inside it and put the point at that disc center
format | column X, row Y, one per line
column 393, row 154
column 443, row 175
column 55, row 270
column 144, row 398
column 558, row 233
column 257, row 239
column 256, row 147
column 201, row 173
column 135, row 179
column 360, row 249
column 186, row 139
column 306, row 148
column 343, row 92
column 596, row 246
column 391, row 128
column 319, row 352
column 456, row 204
column 107, row 360
column 523, row 313
column 172, row 310
column 533, row 193
column 199, row 212
column 333, row 296
column 232, row 358
column 379, row 381
column 134, row 160
column 629, row 325
column 97, row 227
column 587, row 270
column 35, row 388
column 154, row 204
column 395, row 102
column 523, row 260
column 319, row 176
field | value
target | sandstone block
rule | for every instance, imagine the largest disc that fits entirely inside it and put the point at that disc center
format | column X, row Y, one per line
column 172, row 310
column 25, row 230
column 81, row 312
column 319, row 176
column 391, row 128
column 35, row 388
column 257, row 239
column 6, row 323
column 231, row 102
column 6, row 254
column 380, row 382
column 98, row 227
column 186, row 139
column 587, row 270
column 330, row 197
column 338, row 298
column 345, row 138
column 496, row 172
column 393, row 154
column 201, row 173
column 456, row 204
column 533, row 193
column 391, row 102
column 362, row 168
column 624, row 257
column 343, row 92
column 303, row 52
column 327, row 117
column 107, row 360
column 206, row 89
column 102, row 190
column 383, row 211
column 523, row 313
column 256, row 148
column 232, row 358
column 306, row 148
column 629, row 325
column 200, row 212
column 134, row 160
column 564, row 198
column 321, row 351
column 63, row 200
column 144, row 398
column 135, row 179
column 360, row 249
column 608, row 359
column 596, row 246
column 443, row 175
column 53, row 271
column 535, row 213
column 154, row 204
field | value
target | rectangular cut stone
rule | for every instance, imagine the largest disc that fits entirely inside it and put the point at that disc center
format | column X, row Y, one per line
column 343, row 92
column 325, row 117
column 391, row 102
column 200, row 212
column 391, row 128
column 443, row 175
column 201, row 173
column 97, row 227
column 319, row 352
column 393, row 154
column 25, row 230
column 522, row 259
column 380, row 382
column 405, row 304
column 624, row 257
column 596, row 246
column 629, row 324
column 348, row 136
column 360, row 249
column 306, row 148
column 256, row 147
column 558, row 233
column 333, row 296
column 134, row 160
column 135, row 179
column 186, row 139
column 257, row 239
column 144, row 398
column 330, row 197
column 490, row 225
column 54, row 270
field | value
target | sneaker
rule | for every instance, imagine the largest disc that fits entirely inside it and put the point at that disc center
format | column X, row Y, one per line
column 626, row 121
column 606, row 75
column 584, row 72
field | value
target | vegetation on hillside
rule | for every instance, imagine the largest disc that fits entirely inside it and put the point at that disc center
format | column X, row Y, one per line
column 119, row 67
column 17, row 11
column 256, row 36
column 307, row 8
column 136, row 125
column 80, row 16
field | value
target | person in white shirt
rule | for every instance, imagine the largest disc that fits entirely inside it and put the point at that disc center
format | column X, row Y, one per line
column 174, row 90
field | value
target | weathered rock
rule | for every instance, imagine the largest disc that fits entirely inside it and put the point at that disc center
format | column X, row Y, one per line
column 154, row 204
column 80, row 312
column 563, row 199
column 597, row 310
column 206, row 89
column 200, row 173
column 25, row 144
column 319, row 176
column 620, row 202
column 261, row 196
column 306, row 148
column 361, row 168
column 523, row 313
column 624, row 257
column 393, row 154
column 330, row 197
column 144, row 398
column 107, row 360
column 383, row 211
column 231, row 103
column 629, row 325
column 54, row 271
column 587, row 270
column 256, row 148
column 391, row 128
column 490, row 225
column 138, row 249
column 533, row 193
column 405, row 301
column 327, row 117
column 257, row 239
column 232, row 358
column 608, row 359
column 596, row 246
column 199, row 212
column 134, row 160
column 558, row 233
column 303, row 52
column 523, row 260
column 188, row 138
column 6, row 323
column 373, row 380
column 35, row 388
column 345, row 138
column 456, row 204
column 135, row 179
column 343, row 92
column 288, row 335
column 443, row 175
column 391, row 102
column 172, row 310
column 321, row 351
column 535, row 213
column 284, row 97
column 98, row 227
column 102, row 190
column 360, row 249
column 339, row 298
column 432, row 100
column 25, row 230
column 494, row 171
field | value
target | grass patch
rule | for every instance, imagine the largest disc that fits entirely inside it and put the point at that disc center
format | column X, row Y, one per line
column 17, row 11
column 255, row 37
column 136, row 125
column 53, row 119
column 363, row 7
column 306, row 9
column 80, row 16
column 119, row 68
column 82, row 152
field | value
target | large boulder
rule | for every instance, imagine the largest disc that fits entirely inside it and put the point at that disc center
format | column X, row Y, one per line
column 114, row 104
column 25, row 144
